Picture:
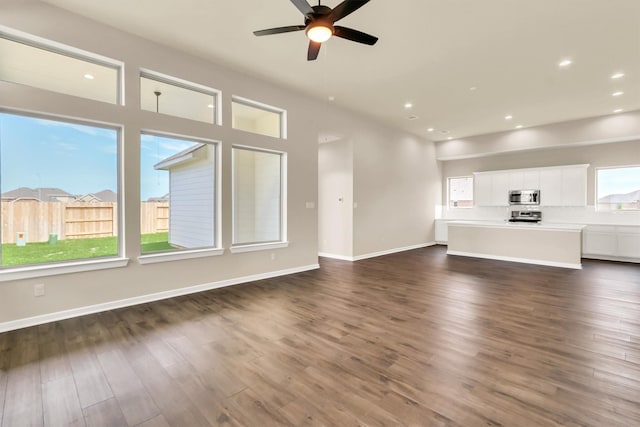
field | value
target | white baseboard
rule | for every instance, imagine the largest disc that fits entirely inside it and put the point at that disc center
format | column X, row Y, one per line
column 514, row 259
column 376, row 254
column 611, row 258
column 81, row 311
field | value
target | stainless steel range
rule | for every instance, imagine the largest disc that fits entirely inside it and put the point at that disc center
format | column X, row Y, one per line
column 525, row 216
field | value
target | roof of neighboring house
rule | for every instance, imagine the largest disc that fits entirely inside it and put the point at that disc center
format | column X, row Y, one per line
column 107, row 196
column 42, row 194
column 164, row 198
column 631, row 197
column 178, row 158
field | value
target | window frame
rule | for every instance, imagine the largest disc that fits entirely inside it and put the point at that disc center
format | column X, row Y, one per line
column 473, row 183
column 179, row 254
column 71, row 52
column 596, row 179
column 257, row 246
column 184, row 84
column 265, row 107
column 83, row 264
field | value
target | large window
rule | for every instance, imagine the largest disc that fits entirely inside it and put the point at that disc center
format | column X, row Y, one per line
column 178, row 193
column 59, row 183
column 258, row 196
column 618, row 188
column 59, row 68
column 180, row 98
column 255, row 117
column 460, row 192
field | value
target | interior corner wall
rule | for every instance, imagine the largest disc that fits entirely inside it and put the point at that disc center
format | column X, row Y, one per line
column 396, row 189
column 335, row 198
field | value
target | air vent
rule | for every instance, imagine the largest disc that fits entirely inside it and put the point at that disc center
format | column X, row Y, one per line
column 412, row 117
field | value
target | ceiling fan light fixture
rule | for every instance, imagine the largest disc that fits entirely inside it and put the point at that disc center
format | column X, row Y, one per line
column 319, row 32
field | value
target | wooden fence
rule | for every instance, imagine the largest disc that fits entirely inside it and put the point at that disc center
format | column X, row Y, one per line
column 39, row 220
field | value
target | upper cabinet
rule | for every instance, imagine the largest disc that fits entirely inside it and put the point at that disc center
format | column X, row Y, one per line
column 558, row 185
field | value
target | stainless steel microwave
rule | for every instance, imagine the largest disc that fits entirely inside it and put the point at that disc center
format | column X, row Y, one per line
column 524, row 197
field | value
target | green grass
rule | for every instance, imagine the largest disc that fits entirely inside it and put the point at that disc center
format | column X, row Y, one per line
column 70, row 249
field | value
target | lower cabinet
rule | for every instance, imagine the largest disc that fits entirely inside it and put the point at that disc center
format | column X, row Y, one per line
column 611, row 242
column 441, row 231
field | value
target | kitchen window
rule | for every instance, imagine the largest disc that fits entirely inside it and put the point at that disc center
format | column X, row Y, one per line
column 460, row 192
column 618, row 188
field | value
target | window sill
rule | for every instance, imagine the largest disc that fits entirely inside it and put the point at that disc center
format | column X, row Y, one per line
column 179, row 255
column 28, row 272
column 257, row 247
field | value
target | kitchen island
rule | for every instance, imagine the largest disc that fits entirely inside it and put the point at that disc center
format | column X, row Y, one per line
column 558, row 245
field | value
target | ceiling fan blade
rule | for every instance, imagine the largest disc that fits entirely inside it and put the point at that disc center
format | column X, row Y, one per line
column 314, row 49
column 279, row 30
column 354, row 35
column 304, row 7
column 345, row 8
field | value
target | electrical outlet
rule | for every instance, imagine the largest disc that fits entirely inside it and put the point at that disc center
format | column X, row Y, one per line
column 38, row 290
column 273, row 256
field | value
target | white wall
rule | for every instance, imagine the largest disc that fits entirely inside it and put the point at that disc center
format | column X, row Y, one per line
column 389, row 181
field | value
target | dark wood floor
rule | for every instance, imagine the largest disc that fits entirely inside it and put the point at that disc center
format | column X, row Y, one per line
column 417, row 338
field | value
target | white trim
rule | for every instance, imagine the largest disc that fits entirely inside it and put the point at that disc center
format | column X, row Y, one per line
column 154, row 258
column 376, row 254
column 393, row 251
column 63, row 268
column 81, row 311
column 514, row 259
column 335, row 256
column 611, row 258
column 238, row 249
column 265, row 107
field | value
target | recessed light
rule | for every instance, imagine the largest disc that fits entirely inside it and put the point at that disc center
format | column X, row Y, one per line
column 430, row 130
column 519, row 127
column 331, row 98
column 210, row 106
column 617, row 75
column 619, row 93
column 508, row 117
column 618, row 110
column 408, row 105
column 565, row 63
column 449, row 137
column 89, row 76
column 472, row 88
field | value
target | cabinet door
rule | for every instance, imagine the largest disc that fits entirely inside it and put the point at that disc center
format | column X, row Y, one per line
column 516, row 181
column 483, row 189
column 574, row 186
column 597, row 243
column 551, row 187
column 531, row 180
column 441, row 231
column 500, row 189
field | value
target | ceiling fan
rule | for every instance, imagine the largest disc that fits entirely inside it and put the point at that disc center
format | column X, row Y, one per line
column 318, row 25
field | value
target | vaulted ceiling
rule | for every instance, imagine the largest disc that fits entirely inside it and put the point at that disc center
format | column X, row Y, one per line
column 464, row 65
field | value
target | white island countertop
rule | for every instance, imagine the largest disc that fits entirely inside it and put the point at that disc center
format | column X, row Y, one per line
column 520, row 225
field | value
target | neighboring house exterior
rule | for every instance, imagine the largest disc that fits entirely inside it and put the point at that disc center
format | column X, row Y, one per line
column 191, row 191
column 40, row 194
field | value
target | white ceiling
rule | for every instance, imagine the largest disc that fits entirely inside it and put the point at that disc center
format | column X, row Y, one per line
column 430, row 53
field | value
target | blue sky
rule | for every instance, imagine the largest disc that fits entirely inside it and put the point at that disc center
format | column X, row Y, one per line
column 78, row 159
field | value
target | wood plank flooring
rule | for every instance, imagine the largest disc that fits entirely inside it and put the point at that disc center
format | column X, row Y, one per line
column 411, row 339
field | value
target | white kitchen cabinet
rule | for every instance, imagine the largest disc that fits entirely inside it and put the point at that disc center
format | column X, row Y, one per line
column 482, row 184
column 492, row 189
column 524, row 180
column 620, row 242
column 441, row 231
column 500, row 189
column 551, row 187
column 574, row 186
